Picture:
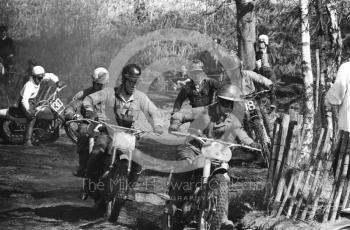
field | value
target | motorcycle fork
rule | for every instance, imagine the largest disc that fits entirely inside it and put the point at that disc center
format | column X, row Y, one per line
column 91, row 144
column 129, row 165
column 205, row 178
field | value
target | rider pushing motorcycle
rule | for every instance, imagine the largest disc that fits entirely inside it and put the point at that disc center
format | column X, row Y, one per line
column 217, row 121
column 28, row 93
column 100, row 79
column 126, row 102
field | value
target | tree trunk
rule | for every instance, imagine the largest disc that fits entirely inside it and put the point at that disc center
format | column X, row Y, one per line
column 336, row 45
column 308, row 82
column 322, row 25
column 246, row 32
column 334, row 32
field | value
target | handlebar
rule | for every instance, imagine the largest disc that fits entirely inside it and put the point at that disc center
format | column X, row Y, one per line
column 256, row 94
column 204, row 139
column 113, row 127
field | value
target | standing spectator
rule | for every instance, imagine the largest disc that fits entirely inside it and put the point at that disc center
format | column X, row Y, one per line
column 339, row 96
column 7, row 48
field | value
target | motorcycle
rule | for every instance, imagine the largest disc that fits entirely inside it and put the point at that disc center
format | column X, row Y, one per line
column 49, row 115
column 206, row 208
column 113, row 194
column 256, row 124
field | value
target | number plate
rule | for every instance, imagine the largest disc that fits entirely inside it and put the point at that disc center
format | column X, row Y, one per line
column 250, row 105
column 57, row 106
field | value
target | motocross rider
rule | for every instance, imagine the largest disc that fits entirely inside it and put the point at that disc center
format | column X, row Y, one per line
column 217, row 121
column 28, row 93
column 100, row 79
column 200, row 91
column 252, row 82
column 126, row 102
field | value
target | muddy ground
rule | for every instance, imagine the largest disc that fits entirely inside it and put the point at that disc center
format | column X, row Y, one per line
column 38, row 191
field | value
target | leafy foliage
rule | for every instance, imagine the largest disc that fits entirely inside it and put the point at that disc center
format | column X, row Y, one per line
column 70, row 38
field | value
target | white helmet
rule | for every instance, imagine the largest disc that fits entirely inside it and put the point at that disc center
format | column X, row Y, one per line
column 264, row 38
column 38, row 71
column 100, row 75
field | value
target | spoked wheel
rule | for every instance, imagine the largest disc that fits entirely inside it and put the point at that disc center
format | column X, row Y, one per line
column 217, row 203
column 72, row 131
column 113, row 208
column 12, row 132
column 263, row 140
column 117, row 190
column 42, row 133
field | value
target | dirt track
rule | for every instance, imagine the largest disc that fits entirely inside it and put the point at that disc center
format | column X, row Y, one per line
column 38, row 191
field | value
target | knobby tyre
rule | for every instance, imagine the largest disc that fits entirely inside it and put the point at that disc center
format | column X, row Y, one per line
column 72, row 132
column 117, row 189
column 262, row 139
column 218, row 189
column 7, row 132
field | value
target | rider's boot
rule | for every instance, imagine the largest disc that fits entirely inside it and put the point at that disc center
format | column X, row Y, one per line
column 227, row 225
column 83, row 158
column 83, row 154
column 85, row 194
column 28, row 133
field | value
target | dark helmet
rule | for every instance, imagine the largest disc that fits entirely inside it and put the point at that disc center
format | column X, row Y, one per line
column 230, row 93
column 131, row 72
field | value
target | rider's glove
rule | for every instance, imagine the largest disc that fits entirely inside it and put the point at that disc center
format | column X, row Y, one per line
column 29, row 114
column 271, row 87
column 273, row 108
column 158, row 129
column 59, row 84
column 103, row 129
column 69, row 116
column 255, row 145
column 89, row 114
column 173, row 127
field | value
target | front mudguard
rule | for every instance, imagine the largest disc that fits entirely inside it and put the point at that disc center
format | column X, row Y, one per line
column 222, row 169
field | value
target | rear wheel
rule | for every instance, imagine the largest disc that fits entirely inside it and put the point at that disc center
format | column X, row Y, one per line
column 217, row 203
column 45, row 132
column 11, row 131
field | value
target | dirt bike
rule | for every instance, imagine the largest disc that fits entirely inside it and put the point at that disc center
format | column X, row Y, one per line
column 115, row 176
column 49, row 115
column 206, row 208
column 257, row 123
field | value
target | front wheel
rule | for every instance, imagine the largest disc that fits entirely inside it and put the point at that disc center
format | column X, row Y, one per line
column 216, row 208
column 263, row 140
column 72, row 131
column 117, row 190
